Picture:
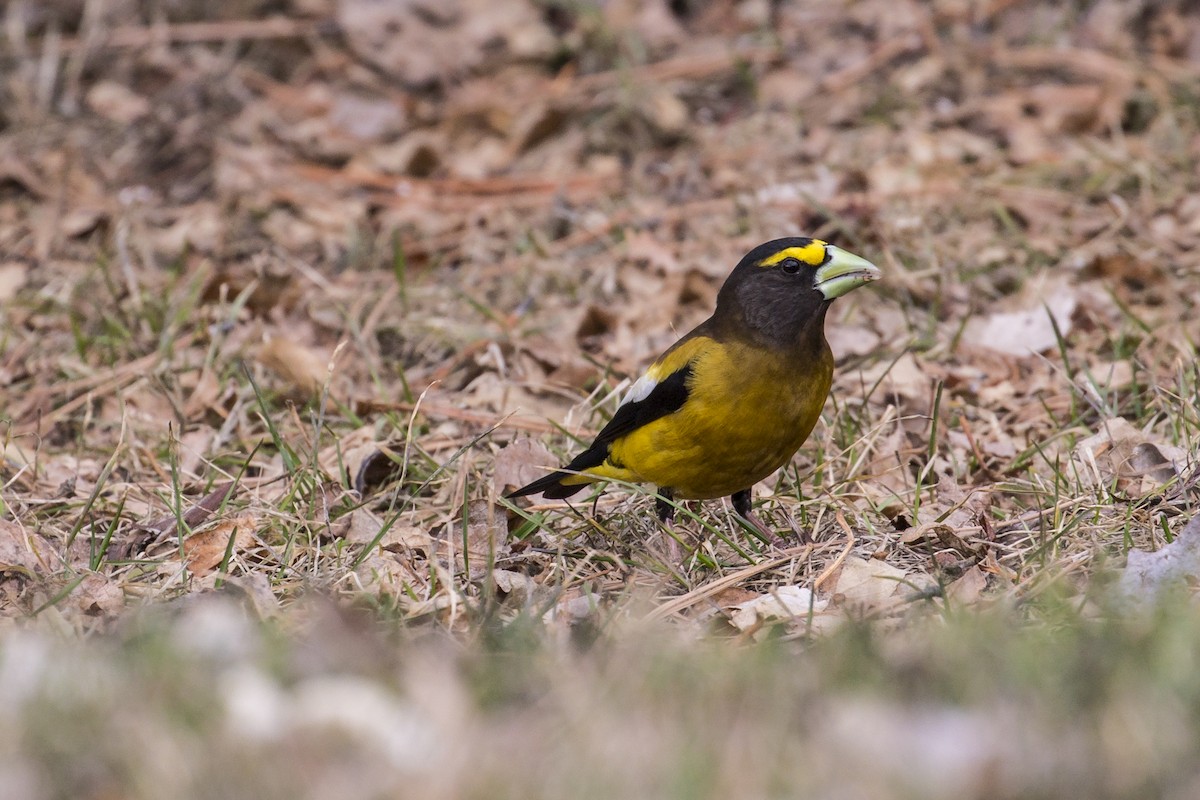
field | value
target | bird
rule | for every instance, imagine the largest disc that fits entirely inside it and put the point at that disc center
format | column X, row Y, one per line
column 734, row 399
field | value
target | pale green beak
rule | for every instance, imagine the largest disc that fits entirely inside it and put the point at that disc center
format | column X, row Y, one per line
column 842, row 272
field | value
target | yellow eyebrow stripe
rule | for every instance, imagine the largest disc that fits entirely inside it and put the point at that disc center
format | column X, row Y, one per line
column 812, row 254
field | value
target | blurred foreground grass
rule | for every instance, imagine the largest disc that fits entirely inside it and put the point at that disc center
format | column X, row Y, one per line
column 201, row 701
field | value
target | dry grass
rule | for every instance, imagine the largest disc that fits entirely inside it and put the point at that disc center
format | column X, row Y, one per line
column 284, row 312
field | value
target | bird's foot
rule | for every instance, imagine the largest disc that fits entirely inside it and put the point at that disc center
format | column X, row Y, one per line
column 741, row 504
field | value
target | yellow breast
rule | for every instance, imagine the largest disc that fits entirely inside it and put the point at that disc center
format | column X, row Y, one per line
column 747, row 412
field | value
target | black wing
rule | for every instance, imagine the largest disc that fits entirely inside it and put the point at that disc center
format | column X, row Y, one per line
column 667, row 397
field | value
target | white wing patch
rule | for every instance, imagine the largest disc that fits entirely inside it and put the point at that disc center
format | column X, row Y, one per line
column 640, row 390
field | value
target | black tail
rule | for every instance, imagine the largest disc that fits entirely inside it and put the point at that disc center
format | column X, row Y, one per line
column 552, row 488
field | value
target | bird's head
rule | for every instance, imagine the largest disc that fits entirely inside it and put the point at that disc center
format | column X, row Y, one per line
column 783, row 286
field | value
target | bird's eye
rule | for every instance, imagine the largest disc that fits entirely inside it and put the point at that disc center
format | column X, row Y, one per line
column 790, row 265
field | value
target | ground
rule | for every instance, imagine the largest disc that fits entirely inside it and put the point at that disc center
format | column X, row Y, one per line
column 293, row 291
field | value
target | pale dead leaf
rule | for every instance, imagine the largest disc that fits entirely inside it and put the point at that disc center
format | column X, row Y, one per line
column 205, row 550
column 486, row 538
column 574, row 606
column 903, row 378
column 666, row 113
column 300, row 366
column 366, row 118
column 954, row 518
column 646, row 249
column 784, row 602
column 194, row 449
column 969, row 587
column 519, row 587
column 204, row 393
column 257, row 588
column 1148, row 574
column 362, row 525
column 417, row 154
column 521, row 462
column 24, row 552
column 13, row 275
column 117, row 102
column 423, row 42
column 1122, row 452
column 388, row 574
column 1030, row 328
column 865, row 585
column 851, row 340
column 97, row 595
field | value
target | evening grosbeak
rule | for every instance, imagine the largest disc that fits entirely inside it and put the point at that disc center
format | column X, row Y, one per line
column 733, row 400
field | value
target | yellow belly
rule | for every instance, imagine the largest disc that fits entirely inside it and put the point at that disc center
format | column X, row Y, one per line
column 745, row 417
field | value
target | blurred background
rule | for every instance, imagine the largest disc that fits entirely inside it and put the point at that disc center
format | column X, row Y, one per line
column 292, row 290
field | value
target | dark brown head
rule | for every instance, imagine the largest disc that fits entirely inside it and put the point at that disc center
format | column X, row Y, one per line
column 779, row 292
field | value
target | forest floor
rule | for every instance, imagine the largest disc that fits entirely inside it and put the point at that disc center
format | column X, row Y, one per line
column 292, row 292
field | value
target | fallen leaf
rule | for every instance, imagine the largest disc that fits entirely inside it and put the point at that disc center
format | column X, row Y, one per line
column 97, row 595
column 1029, row 329
column 300, row 366
column 969, row 587
column 13, row 275
column 864, row 585
column 521, row 462
column 785, row 602
column 422, row 42
column 486, row 538
column 205, row 550
column 903, row 377
column 24, row 552
column 1147, row 574
column 117, row 102
column 1123, row 453
column 519, row 587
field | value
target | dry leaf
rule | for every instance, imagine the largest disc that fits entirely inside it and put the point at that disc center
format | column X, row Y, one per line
column 969, row 587
column 388, row 574
column 865, row 585
column 302, row 367
column 12, row 277
column 257, row 588
column 117, row 102
column 205, row 550
column 423, row 42
column 1121, row 452
column 97, row 595
column 1029, row 329
column 1148, row 574
column 486, row 538
column 572, row 608
column 24, row 552
column 519, row 587
column 903, row 378
column 954, row 518
column 521, row 462
column 784, row 602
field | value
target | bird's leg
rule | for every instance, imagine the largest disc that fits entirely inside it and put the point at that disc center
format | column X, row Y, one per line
column 663, row 507
column 741, row 504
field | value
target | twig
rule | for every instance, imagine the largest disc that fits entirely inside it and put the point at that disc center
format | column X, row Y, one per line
column 461, row 414
column 197, row 32
column 719, row 585
column 837, row 562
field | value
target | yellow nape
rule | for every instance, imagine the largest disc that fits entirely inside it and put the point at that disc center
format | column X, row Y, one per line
column 812, row 254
